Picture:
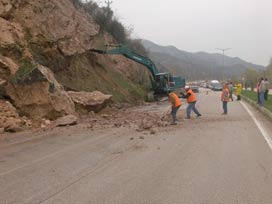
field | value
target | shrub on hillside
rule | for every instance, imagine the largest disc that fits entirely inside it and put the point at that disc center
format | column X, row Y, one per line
column 137, row 46
column 105, row 18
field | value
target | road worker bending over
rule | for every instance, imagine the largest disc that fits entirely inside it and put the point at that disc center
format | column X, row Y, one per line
column 175, row 105
column 191, row 100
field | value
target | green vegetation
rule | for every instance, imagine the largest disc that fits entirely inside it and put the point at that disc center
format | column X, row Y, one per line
column 28, row 73
column 86, row 73
column 251, row 78
column 253, row 96
column 104, row 16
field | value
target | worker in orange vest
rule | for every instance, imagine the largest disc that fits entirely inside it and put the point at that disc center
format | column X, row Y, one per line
column 191, row 100
column 225, row 99
column 175, row 105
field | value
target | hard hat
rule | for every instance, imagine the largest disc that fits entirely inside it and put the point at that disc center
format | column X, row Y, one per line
column 187, row 87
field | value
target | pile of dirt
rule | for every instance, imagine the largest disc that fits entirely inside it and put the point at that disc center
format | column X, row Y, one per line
column 10, row 120
column 126, row 118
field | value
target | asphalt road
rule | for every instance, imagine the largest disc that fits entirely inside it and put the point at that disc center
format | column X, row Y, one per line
column 214, row 159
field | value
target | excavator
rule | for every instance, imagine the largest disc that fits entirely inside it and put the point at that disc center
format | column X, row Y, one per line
column 162, row 82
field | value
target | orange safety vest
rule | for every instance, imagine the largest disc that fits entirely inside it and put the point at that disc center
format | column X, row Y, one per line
column 174, row 98
column 225, row 95
column 192, row 97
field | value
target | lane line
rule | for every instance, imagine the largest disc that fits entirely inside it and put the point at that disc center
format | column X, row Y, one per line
column 258, row 124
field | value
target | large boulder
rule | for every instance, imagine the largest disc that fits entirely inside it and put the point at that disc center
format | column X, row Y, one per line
column 37, row 94
column 66, row 121
column 57, row 22
column 90, row 101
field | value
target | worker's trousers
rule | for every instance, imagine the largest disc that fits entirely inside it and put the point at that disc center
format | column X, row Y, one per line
column 266, row 95
column 225, row 107
column 174, row 113
column 230, row 95
column 190, row 107
column 261, row 94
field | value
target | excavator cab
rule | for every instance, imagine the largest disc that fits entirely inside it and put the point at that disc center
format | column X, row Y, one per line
column 166, row 82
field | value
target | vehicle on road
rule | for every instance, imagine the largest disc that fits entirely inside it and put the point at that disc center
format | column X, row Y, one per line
column 195, row 88
column 217, row 87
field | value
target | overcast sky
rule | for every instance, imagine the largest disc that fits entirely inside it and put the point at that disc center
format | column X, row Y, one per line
column 203, row 25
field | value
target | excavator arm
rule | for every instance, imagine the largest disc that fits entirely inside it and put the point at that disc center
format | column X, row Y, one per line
column 161, row 82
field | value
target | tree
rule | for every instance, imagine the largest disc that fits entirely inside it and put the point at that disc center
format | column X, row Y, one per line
column 268, row 72
column 251, row 78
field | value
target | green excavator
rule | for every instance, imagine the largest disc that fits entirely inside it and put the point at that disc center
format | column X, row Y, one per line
column 161, row 83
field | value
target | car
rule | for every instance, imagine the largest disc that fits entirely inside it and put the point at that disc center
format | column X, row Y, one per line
column 217, row 87
column 195, row 89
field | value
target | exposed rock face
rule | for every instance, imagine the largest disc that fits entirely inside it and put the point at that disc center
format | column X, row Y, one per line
column 11, row 33
column 90, row 101
column 39, row 95
column 57, row 21
column 7, row 67
column 9, row 118
column 5, row 8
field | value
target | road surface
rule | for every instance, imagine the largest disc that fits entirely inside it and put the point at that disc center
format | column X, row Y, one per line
column 214, row 159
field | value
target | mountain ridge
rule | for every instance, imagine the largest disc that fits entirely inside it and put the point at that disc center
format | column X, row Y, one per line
column 197, row 65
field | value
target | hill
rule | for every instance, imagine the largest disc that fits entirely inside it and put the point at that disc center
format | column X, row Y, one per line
column 196, row 66
column 45, row 54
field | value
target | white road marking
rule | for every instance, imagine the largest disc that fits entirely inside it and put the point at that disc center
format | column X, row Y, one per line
column 262, row 130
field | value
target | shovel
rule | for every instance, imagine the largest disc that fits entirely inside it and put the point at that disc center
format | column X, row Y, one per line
column 164, row 116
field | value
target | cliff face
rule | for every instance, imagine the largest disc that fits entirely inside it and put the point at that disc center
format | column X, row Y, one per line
column 55, row 23
column 44, row 51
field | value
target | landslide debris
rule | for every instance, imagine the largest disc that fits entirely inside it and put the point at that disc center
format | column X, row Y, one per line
column 10, row 120
column 37, row 94
column 126, row 118
column 90, row 101
column 44, row 52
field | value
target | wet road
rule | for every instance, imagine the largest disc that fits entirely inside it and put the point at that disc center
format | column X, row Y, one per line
column 215, row 159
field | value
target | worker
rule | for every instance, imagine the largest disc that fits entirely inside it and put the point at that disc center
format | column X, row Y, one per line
column 262, row 89
column 191, row 100
column 238, row 91
column 175, row 105
column 267, row 87
column 257, row 90
column 230, row 85
column 225, row 99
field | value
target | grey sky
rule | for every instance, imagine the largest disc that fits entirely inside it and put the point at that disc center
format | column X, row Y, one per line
column 203, row 25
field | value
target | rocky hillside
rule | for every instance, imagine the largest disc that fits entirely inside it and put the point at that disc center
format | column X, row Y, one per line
column 197, row 66
column 45, row 52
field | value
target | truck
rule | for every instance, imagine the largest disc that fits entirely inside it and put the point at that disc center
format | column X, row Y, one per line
column 161, row 82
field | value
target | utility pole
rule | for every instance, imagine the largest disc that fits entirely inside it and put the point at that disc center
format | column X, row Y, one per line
column 108, row 2
column 223, row 51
